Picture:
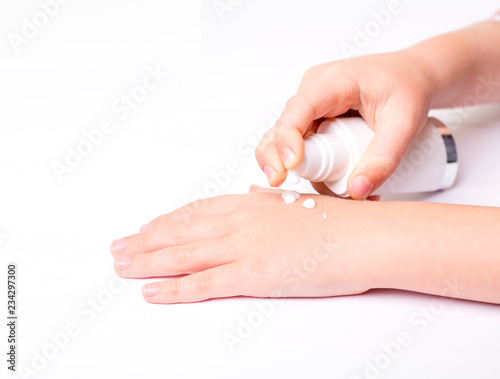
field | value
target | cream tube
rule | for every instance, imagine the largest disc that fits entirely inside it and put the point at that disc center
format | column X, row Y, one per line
column 332, row 153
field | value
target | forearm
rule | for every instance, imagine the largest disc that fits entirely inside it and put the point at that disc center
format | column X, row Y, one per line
column 426, row 247
column 463, row 66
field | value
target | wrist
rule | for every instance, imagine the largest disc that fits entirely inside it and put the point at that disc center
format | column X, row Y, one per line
column 435, row 68
column 363, row 235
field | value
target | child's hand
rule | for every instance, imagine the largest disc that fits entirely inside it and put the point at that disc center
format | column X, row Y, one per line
column 392, row 92
column 256, row 245
column 252, row 245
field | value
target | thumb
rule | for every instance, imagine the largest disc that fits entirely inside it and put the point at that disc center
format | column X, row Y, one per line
column 388, row 146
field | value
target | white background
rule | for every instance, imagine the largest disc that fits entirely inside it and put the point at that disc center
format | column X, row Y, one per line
column 229, row 77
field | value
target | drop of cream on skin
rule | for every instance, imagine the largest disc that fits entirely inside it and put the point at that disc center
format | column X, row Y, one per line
column 309, row 203
column 324, row 215
column 290, row 197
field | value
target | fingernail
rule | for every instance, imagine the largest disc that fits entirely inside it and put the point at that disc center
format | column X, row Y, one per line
column 269, row 171
column 361, row 187
column 118, row 245
column 146, row 228
column 150, row 290
column 123, row 262
column 288, row 157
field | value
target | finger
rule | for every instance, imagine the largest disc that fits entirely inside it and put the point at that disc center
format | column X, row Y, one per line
column 269, row 160
column 176, row 233
column 181, row 259
column 255, row 188
column 222, row 281
column 330, row 94
column 393, row 135
column 373, row 198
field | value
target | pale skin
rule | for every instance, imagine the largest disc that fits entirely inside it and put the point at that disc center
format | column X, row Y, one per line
column 256, row 245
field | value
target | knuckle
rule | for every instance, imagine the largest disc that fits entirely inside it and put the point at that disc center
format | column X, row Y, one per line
column 291, row 103
column 282, row 135
column 140, row 241
column 260, row 150
column 297, row 105
column 173, row 289
column 194, row 208
column 199, row 204
column 313, row 71
column 289, row 114
column 220, row 226
column 204, row 282
column 178, row 231
column 187, row 212
column 182, row 255
column 266, row 140
column 146, row 262
column 264, row 154
column 281, row 128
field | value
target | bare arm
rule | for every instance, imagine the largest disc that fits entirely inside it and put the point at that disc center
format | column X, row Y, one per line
column 464, row 65
column 427, row 247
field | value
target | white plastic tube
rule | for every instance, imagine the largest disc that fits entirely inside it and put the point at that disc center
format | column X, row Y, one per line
column 332, row 153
